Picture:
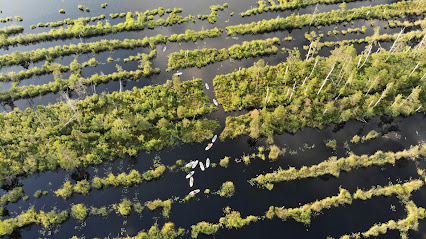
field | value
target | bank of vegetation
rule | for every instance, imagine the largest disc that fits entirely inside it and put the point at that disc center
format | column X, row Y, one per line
column 231, row 220
column 30, row 217
column 80, row 28
column 305, row 212
column 5, row 32
column 167, row 231
column 287, row 5
column 212, row 17
column 49, row 54
column 121, row 180
column 333, row 166
column 103, row 127
column 398, row 9
column 200, row 58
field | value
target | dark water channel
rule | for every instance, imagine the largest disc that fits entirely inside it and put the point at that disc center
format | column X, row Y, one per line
column 396, row 134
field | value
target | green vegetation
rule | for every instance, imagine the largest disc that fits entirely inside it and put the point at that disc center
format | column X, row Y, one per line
column 103, row 211
column 371, row 135
column 40, row 193
column 414, row 214
column 117, row 127
column 296, row 93
column 402, row 191
column 204, row 228
column 121, row 180
column 327, row 18
column 19, row 19
column 166, row 232
column 81, row 7
column 405, row 37
column 104, row 5
column 32, row 216
column 49, row 54
column 158, row 203
column 200, row 58
column 3, row 212
column 47, row 68
column 227, row 189
column 355, row 139
column 13, row 196
column 74, row 82
column 213, row 15
column 304, row 213
column 154, row 173
column 334, row 166
column 125, row 207
column 66, row 190
column 62, row 11
column 80, row 28
column 286, row 5
column 332, row 144
column 91, row 62
column 10, row 30
column 82, row 187
column 79, row 212
column 274, row 152
column 224, row 162
column 231, row 220
column 194, row 36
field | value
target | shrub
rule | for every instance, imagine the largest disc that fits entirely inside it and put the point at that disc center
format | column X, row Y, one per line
column 227, row 189
column 66, row 190
column 125, row 207
column 274, row 152
column 371, row 135
column 224, row 162
column 37, row 194
column 62, row 11
column 79, row 211
column 355, row 139
column 331, row 144
column 82, row 187
column 13, row 196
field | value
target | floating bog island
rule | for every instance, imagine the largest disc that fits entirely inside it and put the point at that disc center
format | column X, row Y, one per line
column 129, row 119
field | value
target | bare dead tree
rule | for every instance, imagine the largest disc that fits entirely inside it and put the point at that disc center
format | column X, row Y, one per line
column 316, row 61
column 294, row 86
column 285, row 74
column 414, row 69
column 332, row 68
column 371, row 86
column 71, row 105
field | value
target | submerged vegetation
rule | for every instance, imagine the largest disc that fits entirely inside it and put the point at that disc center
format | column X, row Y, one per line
column 334, row 166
